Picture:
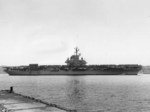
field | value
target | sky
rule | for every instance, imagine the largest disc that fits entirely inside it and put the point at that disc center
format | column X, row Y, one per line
column 47, row 31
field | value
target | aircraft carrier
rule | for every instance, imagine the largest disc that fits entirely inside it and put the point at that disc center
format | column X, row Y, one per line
column 74, row 66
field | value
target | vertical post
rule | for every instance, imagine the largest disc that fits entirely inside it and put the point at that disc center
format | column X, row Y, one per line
column 11, row 89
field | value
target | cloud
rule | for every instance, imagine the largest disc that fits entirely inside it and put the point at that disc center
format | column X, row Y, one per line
column 47, row 46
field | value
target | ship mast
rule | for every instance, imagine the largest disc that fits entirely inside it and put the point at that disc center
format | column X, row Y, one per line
column 76, row 51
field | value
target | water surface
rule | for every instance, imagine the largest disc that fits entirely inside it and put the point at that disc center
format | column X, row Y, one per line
column 86, row 93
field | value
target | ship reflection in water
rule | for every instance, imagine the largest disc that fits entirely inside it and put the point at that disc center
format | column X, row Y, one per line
column 77, row 92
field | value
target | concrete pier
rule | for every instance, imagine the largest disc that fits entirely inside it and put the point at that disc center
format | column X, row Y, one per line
column 14, row 102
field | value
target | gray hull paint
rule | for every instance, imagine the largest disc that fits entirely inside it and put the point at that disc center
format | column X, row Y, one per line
column 98, row 72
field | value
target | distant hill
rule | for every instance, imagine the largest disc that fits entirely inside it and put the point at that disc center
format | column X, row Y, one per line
column 146, row 69
column 2, row 70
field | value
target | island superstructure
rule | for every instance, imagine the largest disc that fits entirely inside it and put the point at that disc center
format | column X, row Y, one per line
column 74, row 66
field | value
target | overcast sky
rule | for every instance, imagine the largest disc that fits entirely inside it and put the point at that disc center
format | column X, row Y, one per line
column 46, row 31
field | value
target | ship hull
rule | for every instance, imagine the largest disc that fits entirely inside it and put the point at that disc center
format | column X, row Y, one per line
column 98, row 72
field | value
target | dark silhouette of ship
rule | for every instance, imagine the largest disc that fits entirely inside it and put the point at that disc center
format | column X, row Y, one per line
column 75, row 66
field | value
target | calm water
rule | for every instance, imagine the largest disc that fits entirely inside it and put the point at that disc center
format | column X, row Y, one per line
column 86, row 93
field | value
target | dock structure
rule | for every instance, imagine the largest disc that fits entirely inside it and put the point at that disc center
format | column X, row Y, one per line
column 14, row 102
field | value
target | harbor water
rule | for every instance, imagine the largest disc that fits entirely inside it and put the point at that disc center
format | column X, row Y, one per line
column 86, row 93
